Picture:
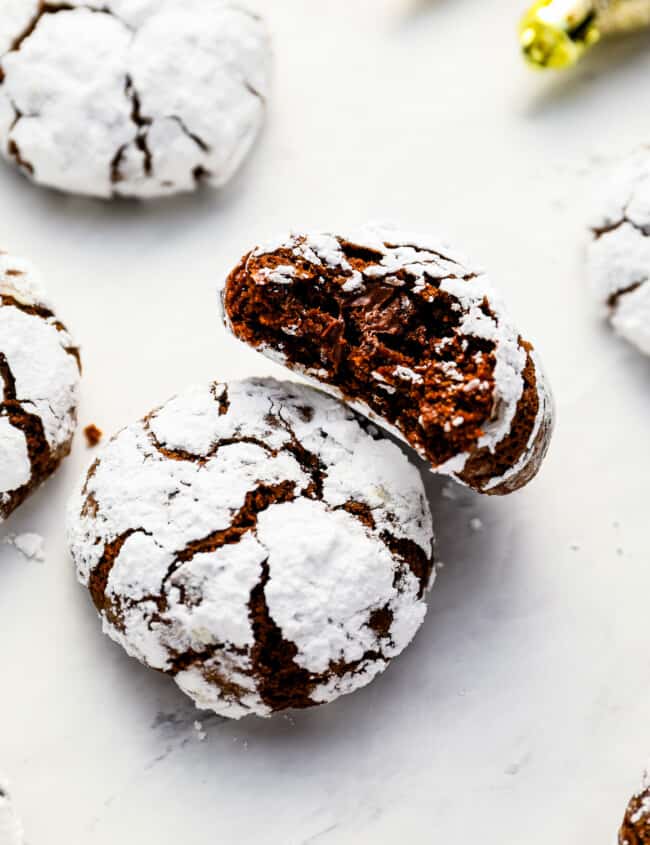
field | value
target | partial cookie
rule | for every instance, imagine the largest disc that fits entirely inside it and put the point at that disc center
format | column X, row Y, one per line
column 405, row 331
column 11, row 830
column 635, row 829
column 39, row 377
column 137, row 98
column 258, row 542
column 619, row 253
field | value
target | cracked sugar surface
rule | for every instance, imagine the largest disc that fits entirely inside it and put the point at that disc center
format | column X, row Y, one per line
column 258, row 542
column 39, row 377
column 619, row 252
column 635, row 829
column 131, row 99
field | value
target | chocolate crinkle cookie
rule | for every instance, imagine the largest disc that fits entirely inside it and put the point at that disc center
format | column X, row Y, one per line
column 619, row 253
column 635, row 829
column 39, row 376
column 409, row 334
column 258, row 542
column 137, row 98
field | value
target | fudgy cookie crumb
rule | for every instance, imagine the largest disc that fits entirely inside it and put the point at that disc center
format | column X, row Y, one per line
column 93, row 435
column 406, row 332
column 258, row 542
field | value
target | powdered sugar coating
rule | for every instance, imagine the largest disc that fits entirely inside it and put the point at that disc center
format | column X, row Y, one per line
column 39, row 377
column 124, row 98
column 635, row 829
column 244, row 515
column 619, row 253
column 424, row 260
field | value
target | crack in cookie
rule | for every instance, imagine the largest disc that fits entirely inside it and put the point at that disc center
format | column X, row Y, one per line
column 112, row 96
column 37, row 403
column 619, row 250
column 259, row 543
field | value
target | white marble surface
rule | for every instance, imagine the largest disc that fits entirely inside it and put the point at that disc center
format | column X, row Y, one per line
column 519, row 715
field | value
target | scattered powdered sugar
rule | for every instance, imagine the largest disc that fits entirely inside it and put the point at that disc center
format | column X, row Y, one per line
column 131, row 97
column 38, row 370
column 619, row 253
column 30, row 545
column 11, row 830
column 449, row 491
column 407, row 374
column 165, row 490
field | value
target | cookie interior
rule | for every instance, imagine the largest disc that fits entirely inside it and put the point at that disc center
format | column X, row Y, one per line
column 397, row 351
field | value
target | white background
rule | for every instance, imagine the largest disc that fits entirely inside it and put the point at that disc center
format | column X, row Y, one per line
column 520, row 713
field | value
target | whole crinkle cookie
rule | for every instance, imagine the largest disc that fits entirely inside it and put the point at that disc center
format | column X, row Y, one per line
column 619, row 253
column 635, row 829
column 138, row 98
column 39, row 376
column 404, row 330
column 258, row 542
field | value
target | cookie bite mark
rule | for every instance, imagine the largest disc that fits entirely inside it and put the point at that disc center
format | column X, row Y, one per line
column 396, row 352
column 405, row 333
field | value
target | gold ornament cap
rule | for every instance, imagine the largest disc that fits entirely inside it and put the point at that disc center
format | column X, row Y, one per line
column 556, row 33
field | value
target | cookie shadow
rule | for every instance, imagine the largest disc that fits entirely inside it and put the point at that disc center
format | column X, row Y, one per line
column 132, row 219
column 474, row 547
column 615, row 60
column 478, row 554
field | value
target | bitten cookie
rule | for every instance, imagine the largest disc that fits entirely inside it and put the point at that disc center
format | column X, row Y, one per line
column 635, row 829
column 11, row 830
column 39, row 376
column 619, row 253
column 404, row 330
column 259, row 543
column 137, row 98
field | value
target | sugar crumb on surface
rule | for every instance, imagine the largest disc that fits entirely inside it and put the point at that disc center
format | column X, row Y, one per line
column 29, row 544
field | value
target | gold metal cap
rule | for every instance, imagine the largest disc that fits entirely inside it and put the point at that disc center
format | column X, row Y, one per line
column 556, row 33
